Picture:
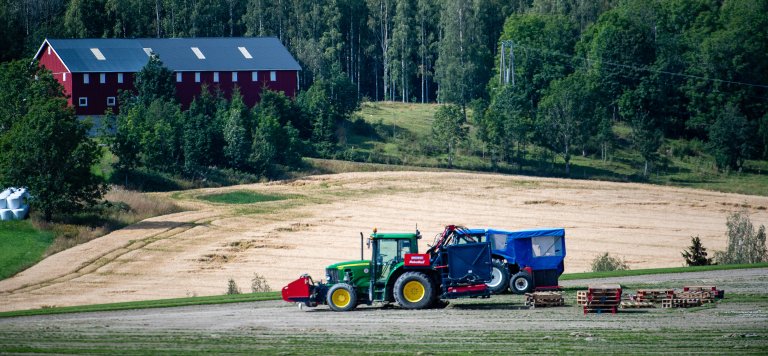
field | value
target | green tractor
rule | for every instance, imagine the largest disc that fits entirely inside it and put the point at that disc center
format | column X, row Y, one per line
column 453, row 267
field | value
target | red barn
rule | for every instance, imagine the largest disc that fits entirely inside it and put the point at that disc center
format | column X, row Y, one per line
column 92, row 71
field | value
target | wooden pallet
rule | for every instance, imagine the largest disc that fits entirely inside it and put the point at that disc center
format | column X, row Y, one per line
column 680, row 303
column 712, row 289
column 581, row 297
column 654, row 295
column 599, row 310
column 602, row 299
column 704, row 296
column 629, row 304
column 544, row 299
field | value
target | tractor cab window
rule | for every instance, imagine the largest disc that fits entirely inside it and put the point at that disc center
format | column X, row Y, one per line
column 468, row 239
column 387, row 251
column 547, row 246
column 405, row 247
column 499, row 241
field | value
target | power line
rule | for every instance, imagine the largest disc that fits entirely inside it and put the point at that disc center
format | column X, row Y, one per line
column 646, row 69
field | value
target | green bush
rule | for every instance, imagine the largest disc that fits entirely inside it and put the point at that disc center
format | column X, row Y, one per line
column 745, row 245
column 232, row 287
column 696, row 255
column 605, row 263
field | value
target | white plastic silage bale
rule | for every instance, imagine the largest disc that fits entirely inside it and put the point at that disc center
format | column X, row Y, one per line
column 6, row 214
column 20, row 214
column 3, row 196
column 15, row 201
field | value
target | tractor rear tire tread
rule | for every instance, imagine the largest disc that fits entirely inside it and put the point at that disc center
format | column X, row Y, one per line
column 428, row 295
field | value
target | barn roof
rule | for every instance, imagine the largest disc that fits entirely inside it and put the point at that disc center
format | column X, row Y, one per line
column 178, row 54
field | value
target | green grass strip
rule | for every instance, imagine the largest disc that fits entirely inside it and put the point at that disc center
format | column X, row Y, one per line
column 642, row 272
column 240, row 197
column 161, row 303
column 21, row 246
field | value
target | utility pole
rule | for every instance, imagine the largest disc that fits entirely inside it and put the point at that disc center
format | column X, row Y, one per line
column 507, row 62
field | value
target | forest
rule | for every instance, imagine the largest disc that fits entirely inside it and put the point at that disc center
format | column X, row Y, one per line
column 569, row 78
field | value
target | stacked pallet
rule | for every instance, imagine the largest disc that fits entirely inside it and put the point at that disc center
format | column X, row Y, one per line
column 680, row 303
column 691, row 296
column 633, row 304
column 544, row 299
column 602, row 298
column 581, row 297
column 654, row 295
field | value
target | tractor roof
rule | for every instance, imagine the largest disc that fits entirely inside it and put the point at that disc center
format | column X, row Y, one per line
column 396, row 235
column 521, row 234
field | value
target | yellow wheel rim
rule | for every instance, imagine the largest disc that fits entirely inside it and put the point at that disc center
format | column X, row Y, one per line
column 341, row 298
column 414, row 291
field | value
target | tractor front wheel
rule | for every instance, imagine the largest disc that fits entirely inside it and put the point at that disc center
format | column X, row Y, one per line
column 414, row 290
column 521, row 283
column 342, row 297
column 500, row 281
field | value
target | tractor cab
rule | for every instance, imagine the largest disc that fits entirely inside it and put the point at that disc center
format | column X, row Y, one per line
column 388, row 254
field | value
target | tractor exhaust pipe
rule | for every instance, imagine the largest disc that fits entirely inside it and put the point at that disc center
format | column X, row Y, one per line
column 361, row 245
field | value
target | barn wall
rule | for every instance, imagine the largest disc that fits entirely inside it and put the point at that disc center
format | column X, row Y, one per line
column 54, row 64
column 188, row 89
column 98, row 93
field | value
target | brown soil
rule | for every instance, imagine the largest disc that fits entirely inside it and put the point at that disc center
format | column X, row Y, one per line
column 198, row 251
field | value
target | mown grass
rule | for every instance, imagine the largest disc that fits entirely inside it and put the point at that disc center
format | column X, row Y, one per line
column 250, row 297
column 161, row 303
column 641, row 272
column 21, row 245
column 240, row 197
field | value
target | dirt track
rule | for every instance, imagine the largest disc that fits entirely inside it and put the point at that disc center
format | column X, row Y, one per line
column 196, row 252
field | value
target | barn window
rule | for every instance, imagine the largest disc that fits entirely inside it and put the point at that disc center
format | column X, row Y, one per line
column 215, row 77
column 120, row 78
column 178, row 77
column 49, row 50
column 245, row 52
column 102, row 78
column 64, row 77
column 82, row 101
column 86, row 78
column 234, row 76
column 273, row 76
column 111, row 101
column 198, row 53
column 254, row 76
column 197, row 77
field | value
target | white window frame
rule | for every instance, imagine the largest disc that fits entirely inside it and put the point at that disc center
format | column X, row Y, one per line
column 273, row 76
column 111, row 101
column 197, row 77
column 120, row 78
column 215, row 77
column 102, row 78
column 254, row 76
column 179, row 77
column 64, row 77
column 86, row 78
column 82, row 101
column 234, row 77
column 49, row 50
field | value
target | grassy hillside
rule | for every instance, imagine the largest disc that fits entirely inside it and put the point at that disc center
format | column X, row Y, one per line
column 21, row 245
column 400, row 134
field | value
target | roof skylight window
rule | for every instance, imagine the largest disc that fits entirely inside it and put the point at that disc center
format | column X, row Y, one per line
column 97, row 53
column 245, row 52
column 198, row 53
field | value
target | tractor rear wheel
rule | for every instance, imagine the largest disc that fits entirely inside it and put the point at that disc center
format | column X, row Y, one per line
column 414, row 290
column 521, row 283
column 500, row 281
column 342, row 297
